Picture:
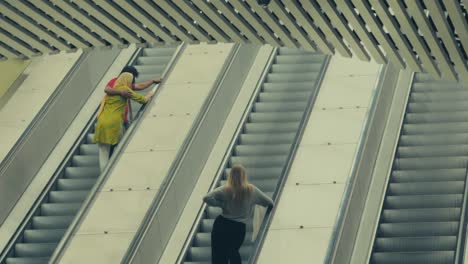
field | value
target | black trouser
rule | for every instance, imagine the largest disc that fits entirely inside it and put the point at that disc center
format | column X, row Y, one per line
column 226, row 239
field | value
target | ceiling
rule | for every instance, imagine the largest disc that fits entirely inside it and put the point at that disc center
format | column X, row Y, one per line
column 423, row 35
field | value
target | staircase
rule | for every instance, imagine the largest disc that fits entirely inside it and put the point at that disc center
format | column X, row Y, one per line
column 264, row 144
column 38, row 239
column 420, row 218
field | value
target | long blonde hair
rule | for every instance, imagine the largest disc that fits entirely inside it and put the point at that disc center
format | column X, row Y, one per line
column 237, row 184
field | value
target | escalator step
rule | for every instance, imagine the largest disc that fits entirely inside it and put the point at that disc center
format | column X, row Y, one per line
column 272, row 128
column 401, row 244
column 150, row 69
column 89, row 149
column 51, row 222
column 160, row 60
column 67, row 196
column 299, row 59
column 204, row 253
column 291, row 77
column 418, row 229
column 275, row 117
column 85, row 161
column 43, row 236
column 435, row 257
column 27, row 260
column 423, row 201
column 433, row 151
column 434, row 87
column 437, row 128
column 59, row 209
column 436, row 175
column 433, row 107
column 430, row 163
column 420, row 215
column 159, row 51
column 259, row 161
column 262, row 139
column 439, row 96
column 295, row 97
column 267, row 150
column 433, row 140
column 263, row 173
column 34, row 250
column 444, row 117
column 81, row 173
column 260, row 107
column 451, row 187
column 287, row 87
column 75, row 184
column 296, row 68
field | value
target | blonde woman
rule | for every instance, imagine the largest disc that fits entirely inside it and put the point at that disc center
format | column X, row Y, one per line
column 111, row 116
column 237, row 199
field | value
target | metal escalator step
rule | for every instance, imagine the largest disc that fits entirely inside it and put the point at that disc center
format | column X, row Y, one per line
column 272, row 128
column 450, row 187
column 295, row 97
column 204, row 253
column 147, row 76
column 434, row 140
column 296, row 68
column 288, row 87
column 160, row 60
column 259, row 161
column 429, row 163
column 261, row 107
column 59, row 209
column 432, row 151
column 420, row 215
column 401, row 244
column 75, row 184
column 156, row 70
column 435, row 257
column 268, row 150
column 299, row 59
column 23, row 250
column 436, row 175
column 159, row 51
column 89, row 149
column 67, row 196
column 423, row 201
column 433, row 87
column 262, row 173
column 291, row 77
column 437, row 107
column 437, row 128
column 418, row 229
column 262, row 139
column 85, row 161
column 43, row 235
column 275, row 117
column 439, row 96
column 292, row 51
column 81, row 172
column 27, row 260
column 51, row 222
column 441, row 117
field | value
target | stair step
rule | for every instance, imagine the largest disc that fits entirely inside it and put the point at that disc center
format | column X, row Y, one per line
column 430, row 163
column 75, row 184
column 261, row 107
column 418, row 229
column 253, row 150
column 434, row 140
column 34, row 250
column 420, row 215
column 434, row 87
column 439, row 96
column 262, row 139
column 428, row 107
column 67, row 196
column 401, row 244
column 436, row 128
column 296, row 68
column 271, row 128
column 81, row 172
column 428, row 175
column 275, row 117
column 291, row 77
column 44, row 260
column 432, row 151
column 43, row 235
column 51, row 222
column 434, row 257
column 60, row 209
column 85, row 161
column 441, row 117
column 423, row 201
column 299, row 59
column 450, row 187
column 288, row 87
column 89, row 149
column 292, row 97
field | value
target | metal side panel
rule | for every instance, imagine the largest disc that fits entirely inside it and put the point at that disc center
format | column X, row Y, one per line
column 345, row 230
column 49, row 125
column 380, row 173
column 120, row 202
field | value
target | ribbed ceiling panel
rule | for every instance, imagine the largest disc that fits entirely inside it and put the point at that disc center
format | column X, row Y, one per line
column 423, row 35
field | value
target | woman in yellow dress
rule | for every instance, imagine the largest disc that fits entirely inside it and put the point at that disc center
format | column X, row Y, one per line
column 111, row 116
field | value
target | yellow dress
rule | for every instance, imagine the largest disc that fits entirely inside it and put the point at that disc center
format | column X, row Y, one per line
column 110, row 119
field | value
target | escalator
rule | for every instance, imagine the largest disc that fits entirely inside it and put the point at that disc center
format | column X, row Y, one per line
column 48, row 220
column 426, row 194
column 265, row 141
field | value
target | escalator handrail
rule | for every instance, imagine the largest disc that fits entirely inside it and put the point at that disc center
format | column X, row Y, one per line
column 112, row 161
column 189, row 239
column 461, row 239
column 262, row 232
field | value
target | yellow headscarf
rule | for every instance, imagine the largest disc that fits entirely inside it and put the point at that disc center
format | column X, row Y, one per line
column 125, row 79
